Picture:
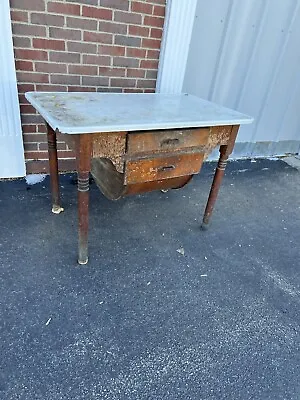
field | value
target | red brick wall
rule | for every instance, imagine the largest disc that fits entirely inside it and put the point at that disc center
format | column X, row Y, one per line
column 75, row 45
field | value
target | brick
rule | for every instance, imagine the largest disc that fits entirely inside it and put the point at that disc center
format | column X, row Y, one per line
column 96, row 12
column 96, row 60
column 82, row 88
column 29, row 129
column 36, row 5
column 49, row 44
column 112, row 27
column 125, row 62
column 47, row 19
column 65, row 79
column 30, row 146
column 149, row 64
column 106, row 71
column 136, row 73
column 66, row 34
column 19, row 16
column 127, row 41
column 154, row 21
column 20, row 41
column 44, row 146
column 25, row 87
column 138, row 30
column 152, row 43
column 24, row 65
column 90, row 2
column 95, row 81
column 109, row 90
column 29, row 54
column 140, row 7
column 138, row 53
column 154, row 54
column 82, row 23
column 132, row 90
column 32, row 77
column 82, row 47
column 115, row 4
column 123, row 82
column 99, row 37
column 151, row 74
column 64, row 57
column 43, row 155
column 42, row 166
column 63, row 8
column 28, row 30
column 111, row 50
column 156, row 33
column 51, row 88
column 31, row 119
column 146, row 83
column 82, row 69
column 159, row 11
column 42, row 129
column 50, row 67
column 27, row 109
column 163, row 2
column 129, row 18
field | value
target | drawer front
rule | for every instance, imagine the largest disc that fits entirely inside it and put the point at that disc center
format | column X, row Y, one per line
column 166, row 140
column 153, row 169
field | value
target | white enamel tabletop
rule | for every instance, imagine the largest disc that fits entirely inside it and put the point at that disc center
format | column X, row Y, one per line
column 113, row 112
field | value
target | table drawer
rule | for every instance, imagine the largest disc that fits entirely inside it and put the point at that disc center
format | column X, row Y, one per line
column 166, row 140
column 152, row 169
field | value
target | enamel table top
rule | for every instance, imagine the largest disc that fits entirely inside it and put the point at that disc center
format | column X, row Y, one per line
column 85, row 112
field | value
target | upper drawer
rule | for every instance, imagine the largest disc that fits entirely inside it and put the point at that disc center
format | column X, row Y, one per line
column 166, row 140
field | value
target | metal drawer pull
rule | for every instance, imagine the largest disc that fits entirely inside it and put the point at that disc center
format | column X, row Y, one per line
column 166, row 168
column 170, row 142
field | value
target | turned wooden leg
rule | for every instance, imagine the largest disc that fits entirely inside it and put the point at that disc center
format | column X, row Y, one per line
column 83, row 170
column 215, row 186
column 53, row 166
column 225, row 151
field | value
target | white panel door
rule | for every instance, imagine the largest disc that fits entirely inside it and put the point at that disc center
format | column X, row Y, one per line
column 12, row 162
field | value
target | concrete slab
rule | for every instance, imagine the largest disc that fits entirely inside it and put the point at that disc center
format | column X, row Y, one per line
column 220, row 320
column 293, row 161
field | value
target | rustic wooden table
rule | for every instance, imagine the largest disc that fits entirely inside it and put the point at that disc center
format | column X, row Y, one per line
column 133, row 143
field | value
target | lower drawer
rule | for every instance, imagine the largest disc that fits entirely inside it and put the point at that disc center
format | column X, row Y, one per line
column 153, row 169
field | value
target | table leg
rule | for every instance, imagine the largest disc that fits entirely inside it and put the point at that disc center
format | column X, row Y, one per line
column 83, row 171
column 53, row 167
column 225, row 151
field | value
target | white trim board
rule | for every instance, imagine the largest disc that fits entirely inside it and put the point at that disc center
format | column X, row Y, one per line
column 12, row 164
column 178, row 30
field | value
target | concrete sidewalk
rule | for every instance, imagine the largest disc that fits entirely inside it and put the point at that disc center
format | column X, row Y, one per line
column 141, row 320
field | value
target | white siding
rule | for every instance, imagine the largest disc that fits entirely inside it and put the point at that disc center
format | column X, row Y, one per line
column 11, row 146
column 246, row 55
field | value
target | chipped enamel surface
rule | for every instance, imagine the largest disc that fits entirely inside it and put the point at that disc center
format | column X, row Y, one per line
column 110, row 112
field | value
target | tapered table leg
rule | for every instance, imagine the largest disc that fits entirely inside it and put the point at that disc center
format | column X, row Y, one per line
column 225, row 151
column 53, row 166
column 215, row 187
column 83, row 170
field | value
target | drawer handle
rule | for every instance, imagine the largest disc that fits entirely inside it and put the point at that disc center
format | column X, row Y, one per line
column 170, row 142
column 166, row 168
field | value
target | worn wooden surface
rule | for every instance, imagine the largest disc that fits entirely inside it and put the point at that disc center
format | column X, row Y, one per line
column 166, row 140
column 84, row 152
column 153, row 169
column 111, row 146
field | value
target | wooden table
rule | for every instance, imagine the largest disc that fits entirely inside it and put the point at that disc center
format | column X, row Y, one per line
column 134, row 143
